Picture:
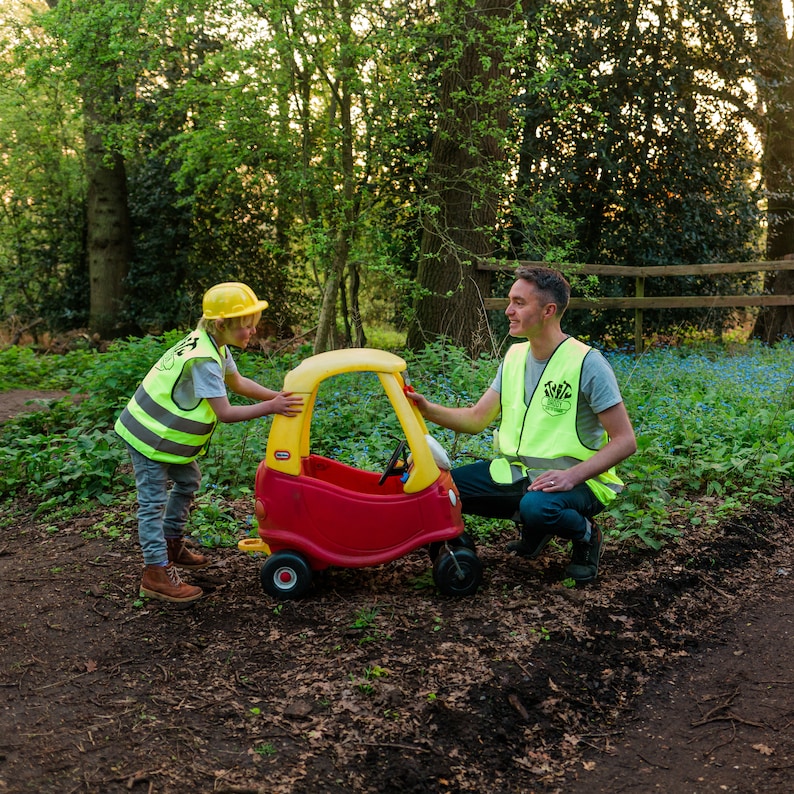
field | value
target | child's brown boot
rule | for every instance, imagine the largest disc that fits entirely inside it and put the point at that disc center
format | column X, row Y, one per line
column 183, row 557
column 164, row 583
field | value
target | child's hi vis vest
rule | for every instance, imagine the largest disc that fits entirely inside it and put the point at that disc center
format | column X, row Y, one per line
column 543, row 435
column 154, row 424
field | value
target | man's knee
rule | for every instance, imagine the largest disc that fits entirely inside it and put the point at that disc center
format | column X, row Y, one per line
column 537, row 509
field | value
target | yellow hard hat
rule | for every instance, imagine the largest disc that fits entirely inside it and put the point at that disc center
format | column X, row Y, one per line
column 231, row 299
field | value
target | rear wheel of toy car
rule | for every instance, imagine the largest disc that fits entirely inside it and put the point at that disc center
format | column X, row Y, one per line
column 464, row 540
column 286, row 575
column 457, row 572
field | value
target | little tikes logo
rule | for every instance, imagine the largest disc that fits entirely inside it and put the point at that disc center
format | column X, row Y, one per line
column 556, row 397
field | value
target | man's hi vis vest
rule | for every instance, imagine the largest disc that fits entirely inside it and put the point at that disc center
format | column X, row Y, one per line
column 543, row 435
column 154, row 424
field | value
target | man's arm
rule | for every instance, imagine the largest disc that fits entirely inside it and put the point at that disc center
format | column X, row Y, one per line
column 620, row 446
column 472, row 419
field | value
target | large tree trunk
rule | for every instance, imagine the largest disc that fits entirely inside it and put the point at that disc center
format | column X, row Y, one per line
column 109, row 243
column 464, row 187
column 326, row 324
column 776, row 78
column 109, row 233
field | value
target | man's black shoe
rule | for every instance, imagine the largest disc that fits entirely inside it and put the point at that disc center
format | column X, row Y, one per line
column 585, row 557
column 530, row 544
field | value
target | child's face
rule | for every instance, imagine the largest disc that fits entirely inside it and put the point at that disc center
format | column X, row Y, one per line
column 234, row 335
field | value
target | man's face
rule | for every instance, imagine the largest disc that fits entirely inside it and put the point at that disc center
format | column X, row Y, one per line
column 526, row 310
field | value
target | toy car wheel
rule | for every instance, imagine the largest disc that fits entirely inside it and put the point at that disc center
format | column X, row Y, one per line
column 457, row 572
column 464, row 540
column 285, row 575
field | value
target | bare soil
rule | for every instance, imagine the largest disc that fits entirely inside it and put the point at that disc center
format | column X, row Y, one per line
column 671, row 673
column 19, row 400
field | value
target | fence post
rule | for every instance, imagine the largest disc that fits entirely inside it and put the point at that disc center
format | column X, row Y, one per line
column 639, row 291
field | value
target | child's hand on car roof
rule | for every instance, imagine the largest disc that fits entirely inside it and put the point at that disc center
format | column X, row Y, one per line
column 286, row 403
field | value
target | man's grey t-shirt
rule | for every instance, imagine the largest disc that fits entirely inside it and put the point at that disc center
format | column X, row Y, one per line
column 598, row 390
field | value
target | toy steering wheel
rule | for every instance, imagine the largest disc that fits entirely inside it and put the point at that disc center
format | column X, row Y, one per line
column 392, row 468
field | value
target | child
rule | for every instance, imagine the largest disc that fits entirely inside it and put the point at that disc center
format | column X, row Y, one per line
column 168, row 424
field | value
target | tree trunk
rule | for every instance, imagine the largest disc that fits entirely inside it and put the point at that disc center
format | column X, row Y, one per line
column 776, row 78
column 109, row 243
column 465, row 185
column 326, row 324
column 109, row 233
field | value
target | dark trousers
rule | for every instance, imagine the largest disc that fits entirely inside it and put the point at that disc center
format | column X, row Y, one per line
column 562, row 513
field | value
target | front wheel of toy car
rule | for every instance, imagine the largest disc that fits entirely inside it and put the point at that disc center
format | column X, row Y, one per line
column 286, row 575
column 457, row 572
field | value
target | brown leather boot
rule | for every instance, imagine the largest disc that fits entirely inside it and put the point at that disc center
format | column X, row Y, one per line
column 183, row 557
column 164, row 583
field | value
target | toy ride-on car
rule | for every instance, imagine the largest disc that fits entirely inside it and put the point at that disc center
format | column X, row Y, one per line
column 314, row 512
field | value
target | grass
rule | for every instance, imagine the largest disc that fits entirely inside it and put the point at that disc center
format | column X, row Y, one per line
column 714, row 428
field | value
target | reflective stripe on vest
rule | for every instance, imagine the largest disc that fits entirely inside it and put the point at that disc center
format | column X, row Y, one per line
column 543, row 435
column 154, row 424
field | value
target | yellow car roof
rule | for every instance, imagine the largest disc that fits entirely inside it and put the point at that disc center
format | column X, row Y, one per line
column 324, row 365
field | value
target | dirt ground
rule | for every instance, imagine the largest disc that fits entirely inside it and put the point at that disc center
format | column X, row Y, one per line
column 672, row 673
column 16, row 401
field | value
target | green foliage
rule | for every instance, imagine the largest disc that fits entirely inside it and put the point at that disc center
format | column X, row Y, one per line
column 42, row 265
column 714, row 429
column 365, row 617
column 626, row 139
column 72, row 451
column 714, row 434
column 447, row 375
column 108, row 380
column 289, row 145
column 76, row 464
column 22, row 368
column 211, row 520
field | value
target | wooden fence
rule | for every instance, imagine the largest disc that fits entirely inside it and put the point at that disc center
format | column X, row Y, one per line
column 640, row 301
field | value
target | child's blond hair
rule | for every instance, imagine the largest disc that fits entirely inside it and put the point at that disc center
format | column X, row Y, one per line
column 206, row 324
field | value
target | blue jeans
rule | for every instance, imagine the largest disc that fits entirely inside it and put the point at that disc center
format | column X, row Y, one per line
column 162, row 514
column 562, row 513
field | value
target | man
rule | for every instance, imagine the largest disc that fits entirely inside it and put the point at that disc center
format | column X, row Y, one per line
column 563, row 428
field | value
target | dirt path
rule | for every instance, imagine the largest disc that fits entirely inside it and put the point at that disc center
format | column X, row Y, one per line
column 21, row 400
column 719, row 720
column 671, row 674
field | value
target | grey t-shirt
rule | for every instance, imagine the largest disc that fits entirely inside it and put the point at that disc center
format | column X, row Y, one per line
column 203, row 378
column 598, row 390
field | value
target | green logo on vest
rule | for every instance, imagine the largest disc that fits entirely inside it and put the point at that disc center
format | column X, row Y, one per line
column 557, row 398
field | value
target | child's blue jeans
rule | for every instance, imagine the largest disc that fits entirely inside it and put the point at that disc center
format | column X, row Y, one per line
column 162, row 514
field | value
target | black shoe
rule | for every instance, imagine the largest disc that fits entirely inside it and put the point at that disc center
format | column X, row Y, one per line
column 530, row 544
column 585, row 556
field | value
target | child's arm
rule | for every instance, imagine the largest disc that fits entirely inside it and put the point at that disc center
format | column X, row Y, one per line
column 285, row 403
column 269, row 401
column 246, row 387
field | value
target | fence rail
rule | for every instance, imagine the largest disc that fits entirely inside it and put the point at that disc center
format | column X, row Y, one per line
column 640, row 301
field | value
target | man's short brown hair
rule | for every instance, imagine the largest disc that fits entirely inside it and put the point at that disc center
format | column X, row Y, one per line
column 548, row 281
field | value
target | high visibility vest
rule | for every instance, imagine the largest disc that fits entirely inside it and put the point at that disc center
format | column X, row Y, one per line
column 543, row 435
column 154, row 424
